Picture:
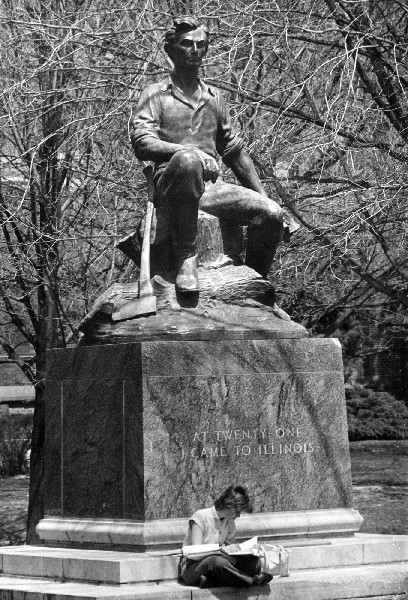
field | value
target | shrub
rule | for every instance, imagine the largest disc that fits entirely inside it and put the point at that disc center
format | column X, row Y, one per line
column 15, row 440
column 375, row 415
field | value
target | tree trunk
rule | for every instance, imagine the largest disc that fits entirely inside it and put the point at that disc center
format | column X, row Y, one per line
column 36, row 495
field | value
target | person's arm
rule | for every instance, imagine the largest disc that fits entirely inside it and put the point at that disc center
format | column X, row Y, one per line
column 243, row 168
column 230, row 538
column 196, row 534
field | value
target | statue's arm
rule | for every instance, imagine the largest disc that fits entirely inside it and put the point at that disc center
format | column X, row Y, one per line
column 231, row 147
column 156, row 150
column 145, row 129
column 243, row 168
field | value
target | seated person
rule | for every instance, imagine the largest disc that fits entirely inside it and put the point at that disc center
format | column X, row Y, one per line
column 216, row 525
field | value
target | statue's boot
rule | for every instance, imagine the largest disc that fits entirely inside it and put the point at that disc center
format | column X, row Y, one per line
column 184, row 215
column 262, row 241
column 182, row 187
column 187, row 275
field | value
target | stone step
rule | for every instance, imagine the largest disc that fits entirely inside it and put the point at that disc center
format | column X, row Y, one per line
column 358, row 550
column 111, row 567
column 382, row 581
column 99, row 566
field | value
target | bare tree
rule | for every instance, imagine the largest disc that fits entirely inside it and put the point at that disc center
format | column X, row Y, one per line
column 68, row 186
column 319, row 89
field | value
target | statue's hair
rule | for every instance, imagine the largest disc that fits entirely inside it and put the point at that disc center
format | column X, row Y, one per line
column 182, row 25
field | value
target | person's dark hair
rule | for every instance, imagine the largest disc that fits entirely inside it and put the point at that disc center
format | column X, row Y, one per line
column 182, row 25
column 229, row 496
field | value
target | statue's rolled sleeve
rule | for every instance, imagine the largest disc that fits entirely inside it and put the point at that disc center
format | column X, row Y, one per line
column 145, row 125
column 229, row 143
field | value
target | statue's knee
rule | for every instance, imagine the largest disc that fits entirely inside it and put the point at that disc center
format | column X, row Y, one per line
column 275, row 212
column 186, row 161
column 274, row 217
column 269, row 216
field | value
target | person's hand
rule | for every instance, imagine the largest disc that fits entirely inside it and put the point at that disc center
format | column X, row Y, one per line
column 210, row 166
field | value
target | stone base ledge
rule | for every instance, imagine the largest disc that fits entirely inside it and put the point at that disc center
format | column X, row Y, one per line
column 118, row 567
column 170, row 533
column 369, row 581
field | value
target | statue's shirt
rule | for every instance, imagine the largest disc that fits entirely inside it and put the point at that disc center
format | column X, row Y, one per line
column 164, row 113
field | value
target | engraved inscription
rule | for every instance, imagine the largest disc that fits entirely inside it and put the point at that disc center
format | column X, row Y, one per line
column 241, row 443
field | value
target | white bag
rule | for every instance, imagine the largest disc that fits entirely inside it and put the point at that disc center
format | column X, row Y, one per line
column 274, row 560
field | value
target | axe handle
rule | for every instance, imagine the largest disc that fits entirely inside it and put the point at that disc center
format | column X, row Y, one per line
column 145, row 287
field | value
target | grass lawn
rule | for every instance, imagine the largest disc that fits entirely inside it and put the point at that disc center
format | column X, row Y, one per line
column 380, row 490
column 13, row 509
column 380, row 485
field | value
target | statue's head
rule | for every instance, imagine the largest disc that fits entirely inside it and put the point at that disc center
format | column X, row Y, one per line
column 182, row 25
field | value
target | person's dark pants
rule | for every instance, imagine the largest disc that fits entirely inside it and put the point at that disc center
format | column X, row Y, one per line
column 182, row 188
column 220, row 571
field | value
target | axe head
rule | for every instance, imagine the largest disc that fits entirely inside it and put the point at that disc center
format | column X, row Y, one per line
column 138, row 307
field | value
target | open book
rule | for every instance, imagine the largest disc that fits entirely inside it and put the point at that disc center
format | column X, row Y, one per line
column 202, row 550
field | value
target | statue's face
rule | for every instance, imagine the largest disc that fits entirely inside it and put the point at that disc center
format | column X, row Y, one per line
column 189, row 50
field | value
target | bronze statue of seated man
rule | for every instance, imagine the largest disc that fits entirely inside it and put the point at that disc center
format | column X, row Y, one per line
column 183, row 125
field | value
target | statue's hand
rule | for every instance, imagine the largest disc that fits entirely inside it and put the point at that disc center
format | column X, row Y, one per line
column 210, row 166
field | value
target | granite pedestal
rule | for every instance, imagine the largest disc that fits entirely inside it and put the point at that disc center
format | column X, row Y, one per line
column 140, row 435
